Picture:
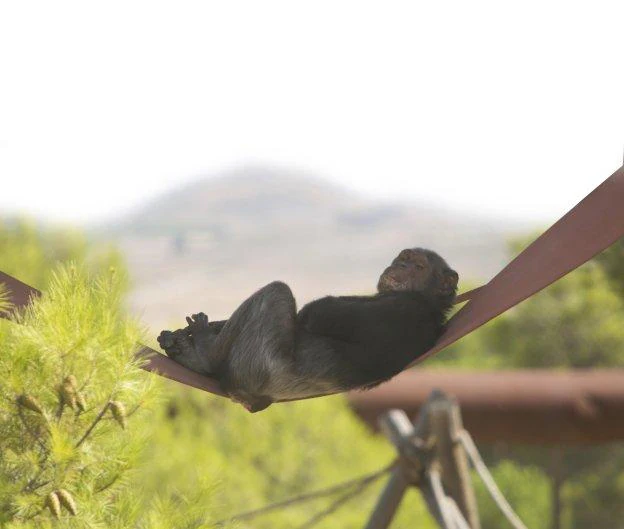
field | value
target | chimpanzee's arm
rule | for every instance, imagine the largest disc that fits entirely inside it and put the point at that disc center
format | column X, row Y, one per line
column 355, row 319
column 382, row 334
column 331, row 316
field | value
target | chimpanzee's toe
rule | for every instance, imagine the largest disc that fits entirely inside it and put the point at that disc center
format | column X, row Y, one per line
column 165, row 339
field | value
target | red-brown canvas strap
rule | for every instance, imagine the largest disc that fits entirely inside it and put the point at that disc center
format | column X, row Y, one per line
column 590, row 227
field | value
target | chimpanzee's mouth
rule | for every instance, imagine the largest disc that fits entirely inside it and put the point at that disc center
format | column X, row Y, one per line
column 387, row 282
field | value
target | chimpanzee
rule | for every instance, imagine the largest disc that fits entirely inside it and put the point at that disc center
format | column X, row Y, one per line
column 267, row 351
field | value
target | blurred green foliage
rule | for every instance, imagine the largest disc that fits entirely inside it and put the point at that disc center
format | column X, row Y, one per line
column 31, row 252
column 215, row 458
column 611, row 262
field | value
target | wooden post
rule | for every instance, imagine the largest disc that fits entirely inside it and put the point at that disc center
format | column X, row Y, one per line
column 389, row 501
column 427, row 447
column 404, row 436
column 445, row 424
column 398, row 428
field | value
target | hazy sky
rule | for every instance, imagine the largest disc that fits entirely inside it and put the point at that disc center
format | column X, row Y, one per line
column 514, row 108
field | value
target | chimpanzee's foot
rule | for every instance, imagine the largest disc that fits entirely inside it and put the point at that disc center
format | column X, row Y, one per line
column 175, row 343
column 181, row 347
column 166, row 341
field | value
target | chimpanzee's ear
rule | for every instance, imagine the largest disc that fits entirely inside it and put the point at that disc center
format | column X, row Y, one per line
column 450, row 279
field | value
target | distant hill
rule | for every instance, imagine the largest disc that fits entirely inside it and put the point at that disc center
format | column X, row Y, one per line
column 207, row 245
column 242, row 198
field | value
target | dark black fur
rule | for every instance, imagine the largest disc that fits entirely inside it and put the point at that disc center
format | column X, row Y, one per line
column 267, row 351
column 376, row 336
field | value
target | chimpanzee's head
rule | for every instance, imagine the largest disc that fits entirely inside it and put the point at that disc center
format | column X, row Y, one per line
column 420, row 270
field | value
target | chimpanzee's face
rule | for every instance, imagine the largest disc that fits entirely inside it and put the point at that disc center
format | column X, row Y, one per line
column 419, row 270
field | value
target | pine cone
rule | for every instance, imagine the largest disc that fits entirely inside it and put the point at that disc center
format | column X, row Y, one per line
column 30, row 402
column 71, row 381
column 119, row 413
column 52, row 502
column 67, row 394
column 67, row 501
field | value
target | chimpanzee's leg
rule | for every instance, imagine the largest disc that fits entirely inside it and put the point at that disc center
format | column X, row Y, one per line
column 256, row 342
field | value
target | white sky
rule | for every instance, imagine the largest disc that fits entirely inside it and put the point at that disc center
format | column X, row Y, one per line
column 504, row 107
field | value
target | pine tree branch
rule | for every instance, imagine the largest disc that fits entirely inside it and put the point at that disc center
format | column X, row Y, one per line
column 97, row 419
column 30, row 486
column 39, row 485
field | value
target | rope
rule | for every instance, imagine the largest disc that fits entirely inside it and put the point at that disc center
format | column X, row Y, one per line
column 447, row 515
column 460, row 521
column 488, row 480
column 358, row 483
column 452, row 517
column 336, row 504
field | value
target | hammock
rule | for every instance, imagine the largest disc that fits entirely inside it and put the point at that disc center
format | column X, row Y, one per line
column 586, row 230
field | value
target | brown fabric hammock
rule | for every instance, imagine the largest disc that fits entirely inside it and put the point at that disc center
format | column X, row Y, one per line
column 590, row 227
